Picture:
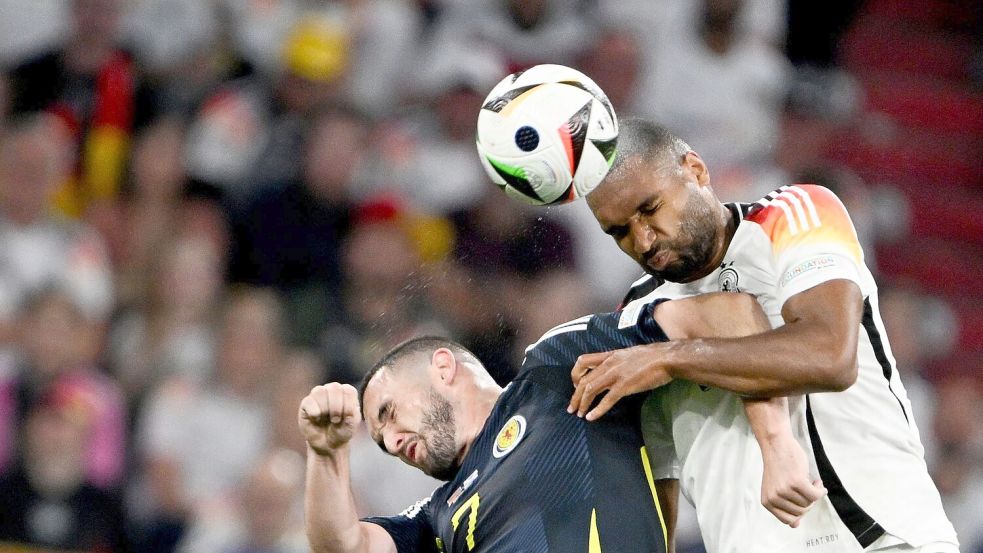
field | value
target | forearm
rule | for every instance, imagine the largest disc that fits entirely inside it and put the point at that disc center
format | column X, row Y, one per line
column 331, row 520
column 789, row 360
column 769, row 419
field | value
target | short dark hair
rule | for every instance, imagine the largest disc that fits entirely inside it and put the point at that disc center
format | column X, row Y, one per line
column 420, row 344
column 641, row 138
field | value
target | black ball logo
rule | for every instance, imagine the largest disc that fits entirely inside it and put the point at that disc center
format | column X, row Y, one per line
column 526, row 138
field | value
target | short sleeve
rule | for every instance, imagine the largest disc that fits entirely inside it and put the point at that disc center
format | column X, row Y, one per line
column 812, row 237
column 411, row 530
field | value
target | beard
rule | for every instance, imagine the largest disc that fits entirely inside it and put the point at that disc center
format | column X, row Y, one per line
column 693, row 246
column 439, row 433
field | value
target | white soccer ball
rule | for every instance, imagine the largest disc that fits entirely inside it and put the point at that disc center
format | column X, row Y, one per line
column 547, row 135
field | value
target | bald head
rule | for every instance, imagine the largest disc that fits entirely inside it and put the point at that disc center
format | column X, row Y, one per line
column 643, row 142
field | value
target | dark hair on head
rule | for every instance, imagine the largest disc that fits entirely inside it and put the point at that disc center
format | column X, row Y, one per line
column 421, row 344
column 644, row 140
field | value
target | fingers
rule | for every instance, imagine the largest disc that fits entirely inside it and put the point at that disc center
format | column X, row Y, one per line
column 791, row 504
column 352, row 412
column 585, row 363
column 590, row 387
column 309, row 409
column 330, row 403
column 605, row 405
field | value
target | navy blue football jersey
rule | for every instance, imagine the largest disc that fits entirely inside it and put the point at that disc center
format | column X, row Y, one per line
column 538, row 479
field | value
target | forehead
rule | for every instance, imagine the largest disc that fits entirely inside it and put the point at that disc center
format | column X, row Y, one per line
column 627, row 188
column 377, row 391
column 388, row 387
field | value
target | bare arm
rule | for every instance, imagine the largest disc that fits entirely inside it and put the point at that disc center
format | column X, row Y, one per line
column 786, row 490
column 668, row 493
column 328, row 417
column 815, row 351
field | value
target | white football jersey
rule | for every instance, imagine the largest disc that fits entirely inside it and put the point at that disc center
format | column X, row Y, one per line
column 864, row 443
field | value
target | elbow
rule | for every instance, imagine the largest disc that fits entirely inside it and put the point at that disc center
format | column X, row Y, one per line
column 839, row 373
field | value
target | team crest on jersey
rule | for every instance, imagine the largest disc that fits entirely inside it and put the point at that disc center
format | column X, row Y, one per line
column 727, row 279
column 509, row 436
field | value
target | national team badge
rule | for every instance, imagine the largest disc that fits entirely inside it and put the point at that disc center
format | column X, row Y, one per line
column 728, row 280
column 509, row 436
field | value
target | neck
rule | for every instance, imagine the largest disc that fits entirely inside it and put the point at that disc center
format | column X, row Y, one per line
column 475, row 414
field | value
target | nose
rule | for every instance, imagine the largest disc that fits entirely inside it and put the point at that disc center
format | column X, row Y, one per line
column 642, row 237
column 394, row 441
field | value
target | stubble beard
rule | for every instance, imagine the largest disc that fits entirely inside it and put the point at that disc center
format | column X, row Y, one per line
column 439, row 432
column 694, row 245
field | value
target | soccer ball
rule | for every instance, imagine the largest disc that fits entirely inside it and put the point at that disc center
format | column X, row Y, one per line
column 547, row 135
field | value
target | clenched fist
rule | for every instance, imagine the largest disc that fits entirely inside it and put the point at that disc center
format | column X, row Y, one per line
column 328, row 417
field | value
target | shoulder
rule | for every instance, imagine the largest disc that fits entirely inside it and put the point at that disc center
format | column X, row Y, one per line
column 796, row 206
column 801, row 210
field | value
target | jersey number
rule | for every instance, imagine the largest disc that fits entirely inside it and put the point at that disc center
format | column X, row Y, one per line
column 470, row 505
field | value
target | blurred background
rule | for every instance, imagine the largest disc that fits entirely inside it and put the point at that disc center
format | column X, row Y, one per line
column 209, row 206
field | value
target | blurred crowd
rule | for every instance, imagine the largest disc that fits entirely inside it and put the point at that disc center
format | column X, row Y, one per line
column 207, row 207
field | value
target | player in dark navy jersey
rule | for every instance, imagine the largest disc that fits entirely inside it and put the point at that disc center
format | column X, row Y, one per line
column 522, row 473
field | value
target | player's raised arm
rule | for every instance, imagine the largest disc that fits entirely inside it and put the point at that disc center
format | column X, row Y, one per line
column 328, row 417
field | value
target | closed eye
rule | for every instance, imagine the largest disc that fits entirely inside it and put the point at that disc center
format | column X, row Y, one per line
column 617, row 232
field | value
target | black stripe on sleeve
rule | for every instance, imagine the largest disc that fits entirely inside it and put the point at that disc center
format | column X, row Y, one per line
column 860, row 524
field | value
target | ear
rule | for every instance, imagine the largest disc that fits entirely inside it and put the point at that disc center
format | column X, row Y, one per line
column 444, row 367
column 693, row 163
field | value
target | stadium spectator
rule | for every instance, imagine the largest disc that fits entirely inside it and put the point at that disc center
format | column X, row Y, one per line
column 290, row 236
column 526, row 32
column 246, row 136
column 300, row 371
column 502, row 245
column 555, row 295
column 90, row 84
column 498, row 236
column 169, row 332
column 151, row 206
column 198, row 441
column 266, row 515
column 428, row 155
column 616, row 61
column 58, row 343
column 383, row 302
column 735, row 89
column 47, row 501
column 37, row 248
column 178, row 51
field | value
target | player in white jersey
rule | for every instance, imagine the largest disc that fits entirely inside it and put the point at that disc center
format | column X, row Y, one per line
column 796, row 251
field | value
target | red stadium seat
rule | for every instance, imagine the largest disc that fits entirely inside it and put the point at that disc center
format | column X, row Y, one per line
column 922, row 102
column 941, row 266
column 879, row 44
